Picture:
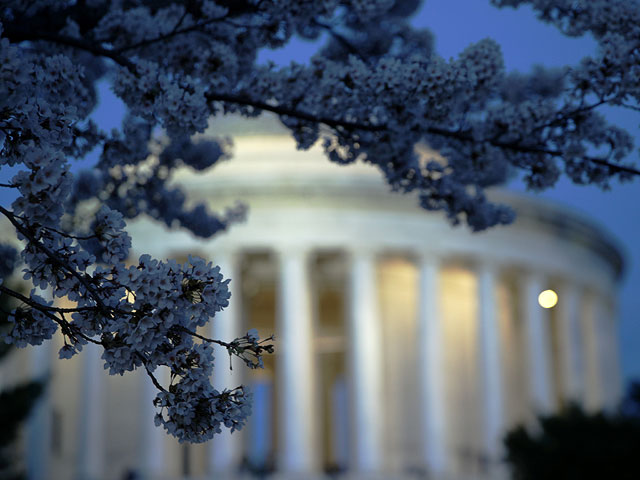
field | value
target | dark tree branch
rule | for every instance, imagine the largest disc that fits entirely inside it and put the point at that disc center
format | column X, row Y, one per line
column 16, row 35
column 64, row 234
column 180, row 20
column 22, row 36
column 290, row 112
column 635, row 108
column 67, row 328
column 463, row 136
column 39, row 306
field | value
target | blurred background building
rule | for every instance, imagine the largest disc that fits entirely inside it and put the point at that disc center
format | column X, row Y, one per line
column 404, row 347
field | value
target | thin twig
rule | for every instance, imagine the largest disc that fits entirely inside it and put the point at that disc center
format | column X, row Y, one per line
column 281, row 110
column 466, row 137
column 150, row 373
column 630, row 107
column 211, row 340
column 39, row 306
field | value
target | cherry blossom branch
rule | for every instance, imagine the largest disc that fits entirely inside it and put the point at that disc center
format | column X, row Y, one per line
column 115, row 55
column 75, row 237
column 24, row 231
column 281, row 110
column 466, row 136
column 21, row 36
column 68, row 330
column 250, row 351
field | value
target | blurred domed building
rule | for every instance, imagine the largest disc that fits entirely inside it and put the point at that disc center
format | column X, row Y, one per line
column 404, row 347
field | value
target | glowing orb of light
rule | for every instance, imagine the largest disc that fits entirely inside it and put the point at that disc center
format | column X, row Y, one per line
column 548, row 299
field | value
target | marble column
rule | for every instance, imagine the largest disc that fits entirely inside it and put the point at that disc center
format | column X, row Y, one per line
column 91, row 419
column 490, row 362
column 297, row 452
column 571, row 342
column 152, row 452
column 605, row 360
column 365, row 351
column 536, row 321
column 602, row 367
column 225, row 448
column 615, row 387
column 38, row 451
column 431, row 369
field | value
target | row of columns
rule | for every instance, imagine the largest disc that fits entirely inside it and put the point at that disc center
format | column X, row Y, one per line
column 600, row 349
column 432, row 379
column 364, row 354
column 297, row 442
column 295, row 371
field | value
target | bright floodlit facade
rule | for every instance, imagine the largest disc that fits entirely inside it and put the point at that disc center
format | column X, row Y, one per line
column 403, row 345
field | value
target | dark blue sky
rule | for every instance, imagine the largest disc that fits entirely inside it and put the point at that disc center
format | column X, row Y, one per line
column 525, row 42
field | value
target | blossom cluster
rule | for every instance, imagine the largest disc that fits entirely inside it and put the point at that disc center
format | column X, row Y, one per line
column 375, row 92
